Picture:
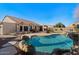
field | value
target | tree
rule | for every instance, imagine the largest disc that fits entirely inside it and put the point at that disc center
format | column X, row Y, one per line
column 60, row 25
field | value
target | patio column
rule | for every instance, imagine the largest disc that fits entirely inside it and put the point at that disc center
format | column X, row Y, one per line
column 28, row 28
column 36, row 28
column 43, row 28
column 22, row 28
column 1, row 29
column 17, row 28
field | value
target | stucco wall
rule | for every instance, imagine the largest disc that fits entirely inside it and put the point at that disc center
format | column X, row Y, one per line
column 8, row 20
column 9, row 28
column 59, row 29
column 1, row 29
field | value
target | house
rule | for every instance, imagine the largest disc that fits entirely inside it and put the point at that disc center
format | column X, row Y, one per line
column 45, row 28
column 59, row 30
column 73, row 27
column 12, row 24
column 51, row 28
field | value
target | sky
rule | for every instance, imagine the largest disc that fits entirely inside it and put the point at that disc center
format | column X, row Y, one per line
column 41, row 13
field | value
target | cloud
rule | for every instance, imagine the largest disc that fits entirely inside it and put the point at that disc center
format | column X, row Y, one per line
column 76, row 12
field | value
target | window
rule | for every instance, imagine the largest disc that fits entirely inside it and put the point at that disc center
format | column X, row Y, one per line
column 61, row 29
column 30, row 28
column 20, row 28
column 25, row 28
column 77, row 25
column 41, row 28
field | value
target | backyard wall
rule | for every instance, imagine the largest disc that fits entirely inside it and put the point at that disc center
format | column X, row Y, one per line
column 59, row 30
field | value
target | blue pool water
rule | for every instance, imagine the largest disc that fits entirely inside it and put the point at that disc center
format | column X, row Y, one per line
column 48, row 43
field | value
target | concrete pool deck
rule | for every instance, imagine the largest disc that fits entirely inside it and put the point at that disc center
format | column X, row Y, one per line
column 7, row 36
column 30, row 34
column 40, row 34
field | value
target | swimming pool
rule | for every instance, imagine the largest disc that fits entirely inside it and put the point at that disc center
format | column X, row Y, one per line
column 48, row 43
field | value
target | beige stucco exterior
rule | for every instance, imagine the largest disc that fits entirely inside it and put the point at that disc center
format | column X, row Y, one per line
column 73, row 27
column 8, row 20
column 9, row 28
column 59, row 30
column 12, row 25
column 1, row 29
column 9, row 25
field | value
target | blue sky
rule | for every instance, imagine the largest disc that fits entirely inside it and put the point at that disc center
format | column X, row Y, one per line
column 42, row 13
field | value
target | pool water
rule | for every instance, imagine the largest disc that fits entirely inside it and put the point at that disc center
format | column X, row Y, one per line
column 48, row 43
